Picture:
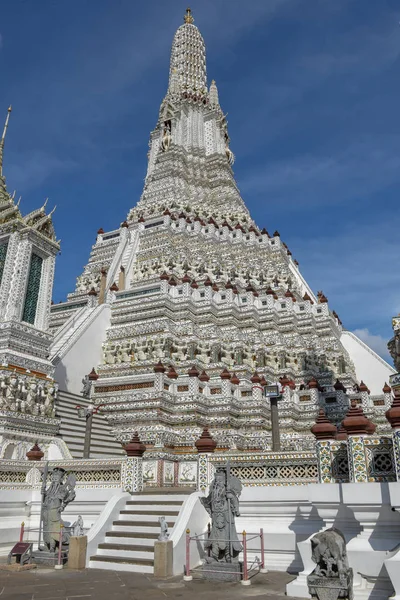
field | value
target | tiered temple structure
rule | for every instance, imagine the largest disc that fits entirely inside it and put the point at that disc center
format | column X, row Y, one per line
column 188, row 309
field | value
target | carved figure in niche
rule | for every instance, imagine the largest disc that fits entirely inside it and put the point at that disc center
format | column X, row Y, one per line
column 249, row 359
column 109, row 355
column 158, row 348
column 55, row 499
column 12, row 392
column 260, row 358
column 179, row 351
column 216, row 353
column 140, row 350
column 203, row 352
column 124, row 352
column 222, row 504
column 228, row 354
column 238, row 356
column 166, row 138
column 332, row 577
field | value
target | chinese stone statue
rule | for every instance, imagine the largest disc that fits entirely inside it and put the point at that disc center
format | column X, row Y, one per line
column 222, row 504
column 55, row 499
column 332, row 577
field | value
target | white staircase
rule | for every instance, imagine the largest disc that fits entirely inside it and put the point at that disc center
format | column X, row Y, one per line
column 129, row 546
column 72, row 429
column 66, row 335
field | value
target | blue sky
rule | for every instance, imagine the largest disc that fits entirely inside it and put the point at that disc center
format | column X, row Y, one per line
column 311, row 89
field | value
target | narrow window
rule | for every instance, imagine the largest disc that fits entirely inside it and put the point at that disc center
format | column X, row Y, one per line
column 32, row 290
column 3, row 254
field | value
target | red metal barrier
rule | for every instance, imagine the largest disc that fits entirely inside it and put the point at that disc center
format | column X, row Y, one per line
column 187, row 576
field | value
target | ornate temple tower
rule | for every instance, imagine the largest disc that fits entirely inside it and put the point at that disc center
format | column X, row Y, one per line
column 205, row 308
column 28, row 248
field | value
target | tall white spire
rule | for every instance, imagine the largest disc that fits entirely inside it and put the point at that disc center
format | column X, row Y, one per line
column 188, row 57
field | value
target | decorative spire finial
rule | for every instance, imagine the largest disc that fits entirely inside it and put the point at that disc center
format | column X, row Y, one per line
column 188, row 18
column 3, row 137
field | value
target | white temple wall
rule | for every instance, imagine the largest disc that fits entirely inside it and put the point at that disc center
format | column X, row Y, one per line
column 17, row 506
column 85, row 353
column 370, row 367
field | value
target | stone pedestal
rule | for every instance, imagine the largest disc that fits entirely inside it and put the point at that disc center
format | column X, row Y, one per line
column 331, row 588
column 77, row 552
column 217, row 571
column 163, row 559
column 327, row 502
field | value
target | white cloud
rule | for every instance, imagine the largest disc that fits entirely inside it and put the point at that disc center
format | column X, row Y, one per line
column 376, row 342
column 357, row 171
column 32, row 170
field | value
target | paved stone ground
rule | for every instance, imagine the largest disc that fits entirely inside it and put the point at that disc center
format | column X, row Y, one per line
column 49, row 584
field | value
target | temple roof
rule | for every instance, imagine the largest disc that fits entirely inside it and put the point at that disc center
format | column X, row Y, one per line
column 9, row 210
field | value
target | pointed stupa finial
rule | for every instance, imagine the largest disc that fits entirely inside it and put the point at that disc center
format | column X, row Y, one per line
column 214, row 100
column 3, row 137
column 188, row 18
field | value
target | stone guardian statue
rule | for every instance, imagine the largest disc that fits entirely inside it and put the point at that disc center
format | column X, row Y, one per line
column 55, row 499
column 222, row 504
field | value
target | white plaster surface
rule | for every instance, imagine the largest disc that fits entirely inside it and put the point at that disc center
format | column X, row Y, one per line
column 370, row 367
column 84, row 354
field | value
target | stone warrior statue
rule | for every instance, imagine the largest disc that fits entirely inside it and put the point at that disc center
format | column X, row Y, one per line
column 55, row 499
column 222, row 504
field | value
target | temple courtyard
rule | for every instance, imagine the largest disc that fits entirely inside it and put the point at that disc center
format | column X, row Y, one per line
column 49, row 584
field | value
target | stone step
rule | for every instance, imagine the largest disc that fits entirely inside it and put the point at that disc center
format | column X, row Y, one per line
column 139, row 503
column 125, row 551
column 150, row 519
column 166, row 513
column 115, row 537
column 113, row 563
column 149, row 491
column 158, row 499
column 139, row 523
column 144, row 530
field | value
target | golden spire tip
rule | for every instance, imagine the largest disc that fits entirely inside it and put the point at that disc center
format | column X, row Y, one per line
column 188, row 18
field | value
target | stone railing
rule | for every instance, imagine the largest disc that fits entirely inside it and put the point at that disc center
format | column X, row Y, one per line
column 91, row 473
column 270, row 468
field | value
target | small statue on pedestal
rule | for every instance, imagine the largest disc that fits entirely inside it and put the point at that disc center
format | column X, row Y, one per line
column 222, row 504
column 332, row 578
column 77, row 529
column 163, row 537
